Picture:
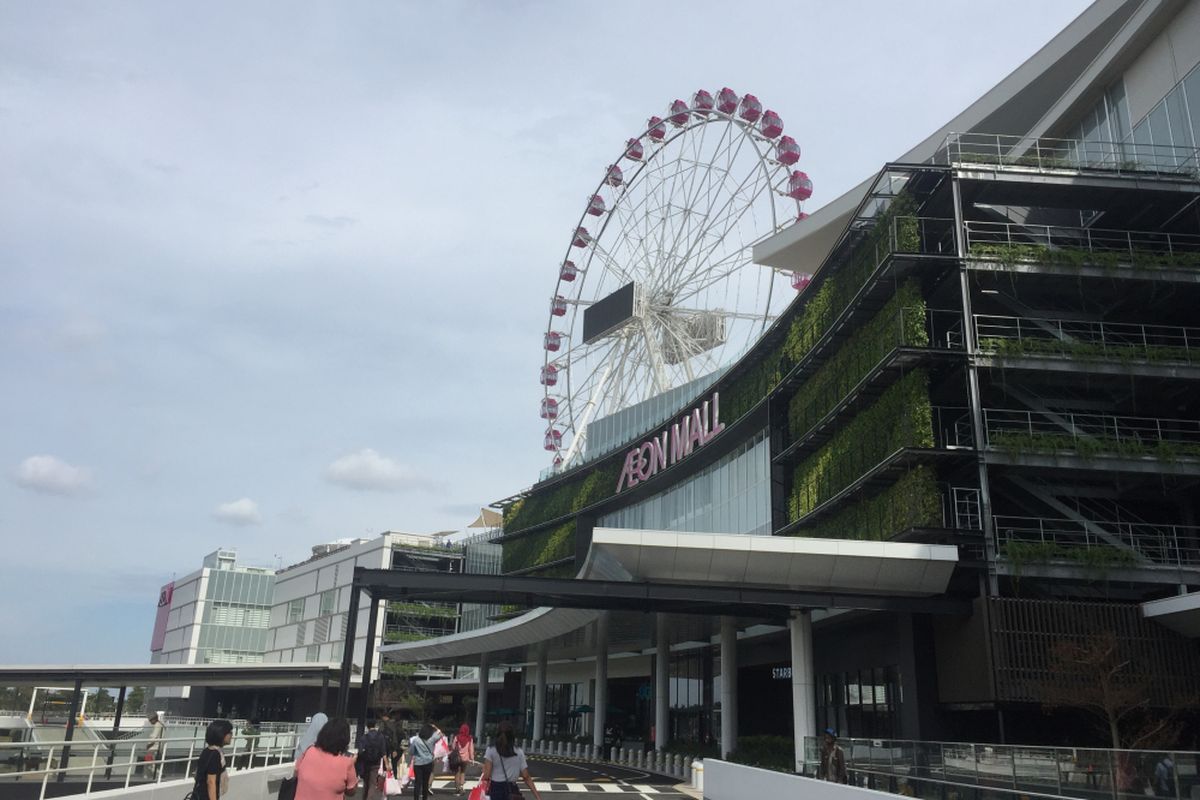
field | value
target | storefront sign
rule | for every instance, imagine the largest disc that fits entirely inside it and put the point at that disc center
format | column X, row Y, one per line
column 159, row 634
column 673, row 444
column 781, row 673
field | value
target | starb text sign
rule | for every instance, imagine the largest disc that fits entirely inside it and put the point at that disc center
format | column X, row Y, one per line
column 674, row 443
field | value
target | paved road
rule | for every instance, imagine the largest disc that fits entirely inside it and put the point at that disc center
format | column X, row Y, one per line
column 572, row 780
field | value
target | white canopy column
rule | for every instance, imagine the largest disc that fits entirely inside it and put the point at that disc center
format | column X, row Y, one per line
column 729, row 720
column 539, row 695
column 662, row 675
column 481, row 707
column 804, row 717
column 600, row 698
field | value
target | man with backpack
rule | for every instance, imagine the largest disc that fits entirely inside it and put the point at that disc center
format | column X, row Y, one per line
column 371, row 751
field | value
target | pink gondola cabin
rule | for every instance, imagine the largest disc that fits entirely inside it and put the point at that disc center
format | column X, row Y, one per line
column 596, row 205
column 549, row 375
column 702, row 102
column 800, row 281
column 558, row 306
column 634, row 150
column 656, row 129
column 799, row 186
column 614, row 176
column 787, row 151
column 549, row 408
column 568, row 271
column 553, row 440
column 727, row 101
column 678, row 113
column 581, row 238
column 750, row 109
column 771, row 124
column 552, row 341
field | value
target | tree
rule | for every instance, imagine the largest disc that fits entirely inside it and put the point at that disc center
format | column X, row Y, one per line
column 135, row 700
column 15, row 698
column 1097, row 674
column 102, row 702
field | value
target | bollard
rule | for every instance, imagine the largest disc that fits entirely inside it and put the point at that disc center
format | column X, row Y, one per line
column 698, row 776
column 677, row 765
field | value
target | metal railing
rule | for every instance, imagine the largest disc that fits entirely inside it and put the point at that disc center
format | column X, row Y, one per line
column 1064, row 240
column 1021, row 429
column 1044, row 154
column 90, row 765
column 952, row 427
column 929, row 769
column 1084, row 339
column 1164, row 545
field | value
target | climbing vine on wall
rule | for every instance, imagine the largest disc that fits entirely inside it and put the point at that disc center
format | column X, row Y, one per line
column 540, row 547
column 900, row 323
column 575, row 495
column 913, row 501
column 901, row 417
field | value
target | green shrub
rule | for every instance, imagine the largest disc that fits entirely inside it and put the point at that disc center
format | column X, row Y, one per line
column 913, row 501
column 901, row 417
column 768, row 752
column 1075, row 257
column 576, row 494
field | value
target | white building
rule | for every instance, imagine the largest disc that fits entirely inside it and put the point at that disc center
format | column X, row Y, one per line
column 308, row 618
column 218, row 614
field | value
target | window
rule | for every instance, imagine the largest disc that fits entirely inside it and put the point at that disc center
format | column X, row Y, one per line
column 327, row 601
column 295, row 611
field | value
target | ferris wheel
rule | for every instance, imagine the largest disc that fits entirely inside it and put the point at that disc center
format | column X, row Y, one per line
column 658, row 288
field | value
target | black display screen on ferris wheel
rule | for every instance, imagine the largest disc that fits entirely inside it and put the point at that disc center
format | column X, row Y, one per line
column 660, row 263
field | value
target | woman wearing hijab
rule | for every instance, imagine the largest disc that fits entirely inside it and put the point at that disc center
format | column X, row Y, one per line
column 325, row 771
column 463, row 747
column 310, row 736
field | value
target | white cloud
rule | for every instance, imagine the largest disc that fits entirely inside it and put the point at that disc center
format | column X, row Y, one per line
column 239, row 512
column 368, row 471
column 49, row 474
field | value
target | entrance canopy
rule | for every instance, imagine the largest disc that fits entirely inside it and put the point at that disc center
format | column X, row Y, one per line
column 758, row 577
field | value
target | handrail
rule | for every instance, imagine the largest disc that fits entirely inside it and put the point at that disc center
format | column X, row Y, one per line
column 1040, row 336
column 1160, row 544
column 174, row 759
column 1082, row 772
column 983, row 237
column 1045, row 154
column 1133, row 435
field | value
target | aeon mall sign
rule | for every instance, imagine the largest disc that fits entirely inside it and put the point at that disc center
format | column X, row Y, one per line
column 676, row 442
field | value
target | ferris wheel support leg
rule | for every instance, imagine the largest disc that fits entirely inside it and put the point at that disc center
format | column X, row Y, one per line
column 580, row 437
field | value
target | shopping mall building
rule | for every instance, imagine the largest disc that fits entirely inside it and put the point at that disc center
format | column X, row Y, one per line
column 972, row 438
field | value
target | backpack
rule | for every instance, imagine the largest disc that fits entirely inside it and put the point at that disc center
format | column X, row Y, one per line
column 371, row 749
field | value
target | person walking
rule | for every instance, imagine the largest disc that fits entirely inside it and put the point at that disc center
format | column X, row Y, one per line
column 503, row 763
column 150, row 767
column 833, row 759
column 310, row 735
column 372, row 752
column 325, row 770
column 212, row 778
column 420, row 754
column 462, row 752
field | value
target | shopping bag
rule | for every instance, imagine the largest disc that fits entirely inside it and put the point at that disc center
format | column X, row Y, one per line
column 441, row 749
column 480, row 792
column 391, row 785
column 444, row 764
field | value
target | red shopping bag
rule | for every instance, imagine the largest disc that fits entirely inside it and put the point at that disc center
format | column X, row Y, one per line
column 480, row 792
column 148, row 757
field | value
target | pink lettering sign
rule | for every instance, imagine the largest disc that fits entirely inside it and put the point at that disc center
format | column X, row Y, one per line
column 674, row 443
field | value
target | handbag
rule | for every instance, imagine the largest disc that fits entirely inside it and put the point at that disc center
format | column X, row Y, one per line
column 514, row 791
column 454, row 760
column 287, row 788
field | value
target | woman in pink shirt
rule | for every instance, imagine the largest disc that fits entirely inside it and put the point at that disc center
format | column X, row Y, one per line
column 325, row 772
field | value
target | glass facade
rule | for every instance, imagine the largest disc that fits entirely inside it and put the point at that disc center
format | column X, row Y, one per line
column 695, row 691
column 561, row 717
column 237, row 614
column 1173, row 122
column 617, row 430
column 479, row 558
column 732, row 495
column 861, row 703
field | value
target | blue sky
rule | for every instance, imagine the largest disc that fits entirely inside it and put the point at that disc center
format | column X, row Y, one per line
column 276, row 274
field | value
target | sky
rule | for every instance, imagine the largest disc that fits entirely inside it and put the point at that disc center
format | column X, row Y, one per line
column 275, row 274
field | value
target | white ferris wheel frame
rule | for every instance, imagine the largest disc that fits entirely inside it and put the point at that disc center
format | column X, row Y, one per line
column 634, row 347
